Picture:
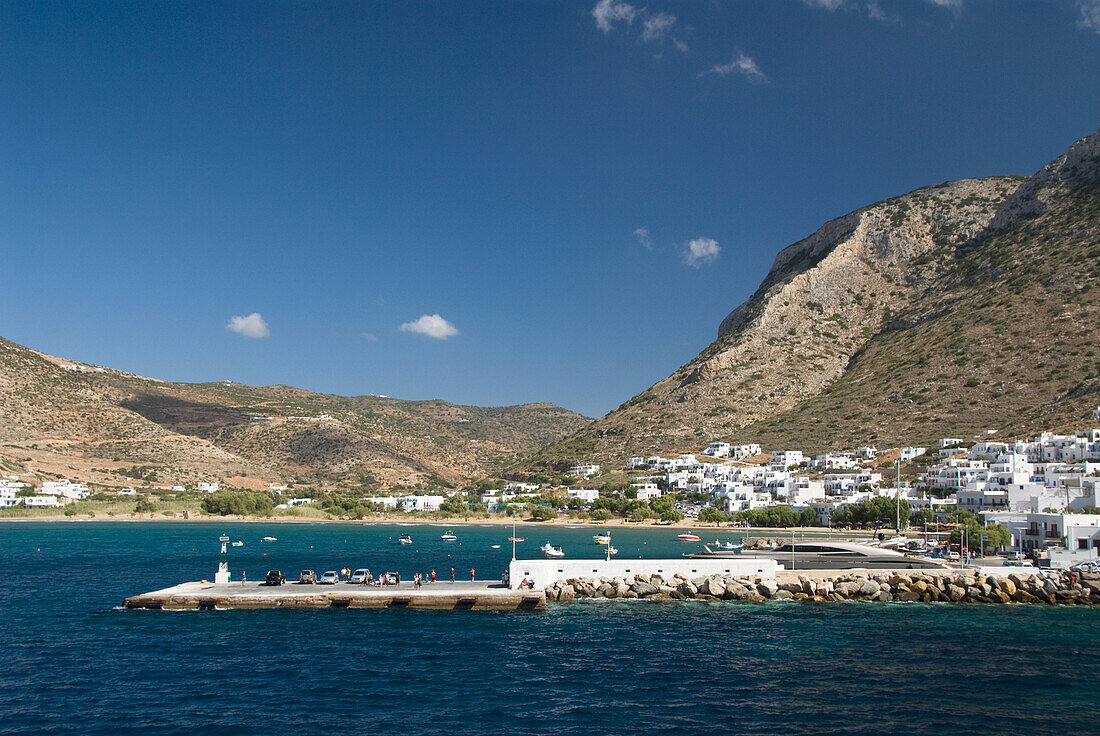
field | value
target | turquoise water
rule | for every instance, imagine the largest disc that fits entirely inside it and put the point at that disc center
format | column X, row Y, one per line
column 72, row 662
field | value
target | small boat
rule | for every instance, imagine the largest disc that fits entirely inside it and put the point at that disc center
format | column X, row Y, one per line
column 238, row 543
column 601, row 538
column 269, row 539
column 448, row 537
column 688, row 537
column 551, row 551
column 515, row 539
column 495, row 546
column 405, row 539
column 611, row 550
column 727, row 545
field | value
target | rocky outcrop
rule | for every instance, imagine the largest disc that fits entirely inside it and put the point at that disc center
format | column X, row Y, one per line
column 964, row 586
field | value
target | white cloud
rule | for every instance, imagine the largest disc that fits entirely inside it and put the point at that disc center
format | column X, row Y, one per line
column 741, row 64
column 369, row 336
column 1090, row 14
column 251, row 326
column 609, row 12
column 827, row 4
column 656, row 27
column 701, row 251
column 642, row 234
column 947, row 3
column 431, row 325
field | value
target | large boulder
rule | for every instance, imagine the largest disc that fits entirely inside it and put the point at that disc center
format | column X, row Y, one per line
column 687, row 589
column 567, row 593
column 643, row 589
column 767, row 588
column 714, row 587
column 869, row 588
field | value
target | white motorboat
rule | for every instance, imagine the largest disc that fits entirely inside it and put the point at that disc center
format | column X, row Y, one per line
column 269, row 539
column 551, row 551
column 494, row 546
column 448, row 537
column 405, row 539
column 826, row 554
column 604, row 538
column 688, row 537
column 611, row 550
column 238, row 543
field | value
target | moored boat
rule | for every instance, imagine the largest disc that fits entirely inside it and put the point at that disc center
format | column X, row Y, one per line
column 604, row 538
column 827, row 554
column 448, row 537
column 551, row 550
column 688, row 537
column 405, row 539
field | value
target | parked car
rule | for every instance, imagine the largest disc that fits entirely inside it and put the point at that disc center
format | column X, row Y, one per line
column 329, row 577
column 308, row 577
column 275, row 577
column 1086, row 566
column 359, row 576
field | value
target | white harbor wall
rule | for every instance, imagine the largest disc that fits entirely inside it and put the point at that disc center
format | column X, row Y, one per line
column 546, row 572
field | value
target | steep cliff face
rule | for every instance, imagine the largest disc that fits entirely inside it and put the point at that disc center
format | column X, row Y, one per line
column 846, row 334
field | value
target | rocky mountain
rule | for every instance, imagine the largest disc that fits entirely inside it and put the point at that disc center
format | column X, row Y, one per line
column 958, row 307
column 116, row 428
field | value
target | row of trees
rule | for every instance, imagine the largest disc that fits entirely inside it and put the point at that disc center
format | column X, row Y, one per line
column 242, row 503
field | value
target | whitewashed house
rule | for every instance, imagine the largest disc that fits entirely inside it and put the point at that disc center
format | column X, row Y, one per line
column 584, row 471
column 786, row 458
column 718, row 449
column 64, row 489
column 206, row 487
column 588, row 495
column 740, row 452
column 905, row 454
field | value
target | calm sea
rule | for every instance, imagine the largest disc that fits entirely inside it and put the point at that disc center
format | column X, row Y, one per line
column 72, row 662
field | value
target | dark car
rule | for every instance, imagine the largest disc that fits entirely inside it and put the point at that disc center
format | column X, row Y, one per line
column 307, row 576
column 275, row 577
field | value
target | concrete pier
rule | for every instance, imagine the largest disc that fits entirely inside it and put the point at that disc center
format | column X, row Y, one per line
column 443, row 596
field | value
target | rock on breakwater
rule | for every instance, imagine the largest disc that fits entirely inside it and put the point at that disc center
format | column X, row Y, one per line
column 1049, row 587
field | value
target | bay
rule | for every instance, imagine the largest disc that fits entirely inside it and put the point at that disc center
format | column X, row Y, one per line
column 73, row 662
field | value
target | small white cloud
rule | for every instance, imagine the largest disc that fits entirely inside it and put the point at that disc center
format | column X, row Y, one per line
column 656, row 27
column 740, row 64
column 955, row 4
column 251, row 326
column 827, row 4
column 1090, row 15
column 609, row 12
column 701, row 251
column 642, row 234
column 431, row 325
column 369, row 336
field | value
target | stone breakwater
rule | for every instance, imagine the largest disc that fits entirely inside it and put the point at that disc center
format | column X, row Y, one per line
column 963, row 586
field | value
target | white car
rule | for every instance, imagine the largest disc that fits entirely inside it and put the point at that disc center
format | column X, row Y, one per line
column 328, row 578
column 359, row 576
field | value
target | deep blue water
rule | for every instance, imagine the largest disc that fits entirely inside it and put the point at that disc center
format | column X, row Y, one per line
column 72, row 662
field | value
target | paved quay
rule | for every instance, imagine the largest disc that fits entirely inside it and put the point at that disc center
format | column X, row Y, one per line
column 458, row 596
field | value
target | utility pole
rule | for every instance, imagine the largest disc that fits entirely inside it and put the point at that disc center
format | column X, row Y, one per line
column 897, row 498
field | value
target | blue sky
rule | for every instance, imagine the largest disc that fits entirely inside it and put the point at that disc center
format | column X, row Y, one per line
column 489, row 203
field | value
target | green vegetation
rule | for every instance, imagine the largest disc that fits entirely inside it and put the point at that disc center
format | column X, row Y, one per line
column 241, row 503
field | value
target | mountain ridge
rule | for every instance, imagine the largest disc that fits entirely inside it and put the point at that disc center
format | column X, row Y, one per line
column 66, row 417
column 817, row 356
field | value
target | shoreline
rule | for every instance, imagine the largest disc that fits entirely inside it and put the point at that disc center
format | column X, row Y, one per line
column 703, row 530
column 611, row 524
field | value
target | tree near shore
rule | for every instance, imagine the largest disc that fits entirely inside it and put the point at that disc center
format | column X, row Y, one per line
column 711, row 515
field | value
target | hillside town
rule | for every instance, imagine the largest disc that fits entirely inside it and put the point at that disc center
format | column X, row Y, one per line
column 1044, row 491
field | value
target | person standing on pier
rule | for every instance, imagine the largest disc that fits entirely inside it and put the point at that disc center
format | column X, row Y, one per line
column 452, row 574
column 431, row 577
column 471, row 574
